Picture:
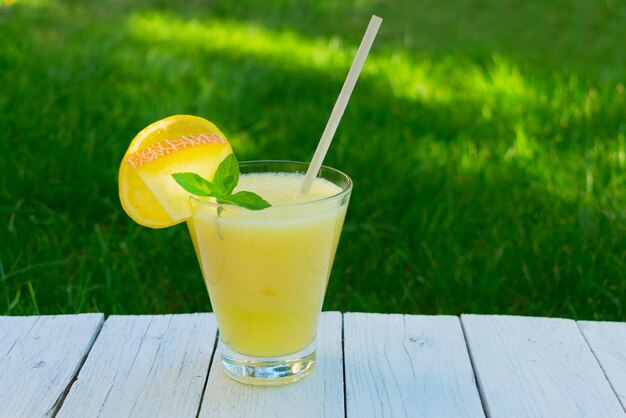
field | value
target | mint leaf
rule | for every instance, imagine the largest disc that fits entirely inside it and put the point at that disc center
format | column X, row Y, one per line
column 221, row 188
column 248, row 200
column 227, row 176
column 194, row 184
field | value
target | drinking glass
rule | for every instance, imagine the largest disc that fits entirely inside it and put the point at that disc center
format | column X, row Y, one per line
column 266, row 272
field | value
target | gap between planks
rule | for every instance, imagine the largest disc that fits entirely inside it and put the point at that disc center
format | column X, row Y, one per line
column 60, row 401
column 607, row 341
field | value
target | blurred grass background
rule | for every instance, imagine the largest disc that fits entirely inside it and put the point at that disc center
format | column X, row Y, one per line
column 486, row 139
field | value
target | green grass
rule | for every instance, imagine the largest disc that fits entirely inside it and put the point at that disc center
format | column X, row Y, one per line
column 486, row 140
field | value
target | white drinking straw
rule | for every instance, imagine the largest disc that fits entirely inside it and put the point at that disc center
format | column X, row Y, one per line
column 340, row 105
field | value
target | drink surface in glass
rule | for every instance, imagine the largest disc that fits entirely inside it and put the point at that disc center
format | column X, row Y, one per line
column 266, row 271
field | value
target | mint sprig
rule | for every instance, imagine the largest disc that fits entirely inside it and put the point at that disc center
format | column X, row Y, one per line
column 221, row 188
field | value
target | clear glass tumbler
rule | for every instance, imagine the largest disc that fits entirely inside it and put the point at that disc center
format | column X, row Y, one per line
column 266, row 273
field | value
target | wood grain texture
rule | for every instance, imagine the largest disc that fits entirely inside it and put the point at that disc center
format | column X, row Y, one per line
column 317, row 395
column 145, row 366
column 537, row 367
column 39, row 358
column 408, row 366
column 608, row 343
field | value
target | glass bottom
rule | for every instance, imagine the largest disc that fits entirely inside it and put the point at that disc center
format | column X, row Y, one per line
column 268, row 370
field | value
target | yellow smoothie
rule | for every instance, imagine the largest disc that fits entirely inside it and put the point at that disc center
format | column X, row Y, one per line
column 267, row 271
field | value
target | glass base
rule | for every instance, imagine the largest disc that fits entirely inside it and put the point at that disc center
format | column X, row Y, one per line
column 268, row 370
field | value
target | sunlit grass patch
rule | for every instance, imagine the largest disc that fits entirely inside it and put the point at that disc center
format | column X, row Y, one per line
column 239, row 39
column 406, row 77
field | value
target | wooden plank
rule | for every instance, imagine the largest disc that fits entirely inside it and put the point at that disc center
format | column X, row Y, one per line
column 408, row 366
column 39, row 358
column 537, row 367
column 145, row 366
column 317, row 395
column 608, row 342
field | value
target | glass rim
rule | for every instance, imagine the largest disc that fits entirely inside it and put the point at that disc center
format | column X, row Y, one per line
column 338, row 196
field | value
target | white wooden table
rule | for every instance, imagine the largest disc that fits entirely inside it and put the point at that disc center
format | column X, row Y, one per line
column 369, row 365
